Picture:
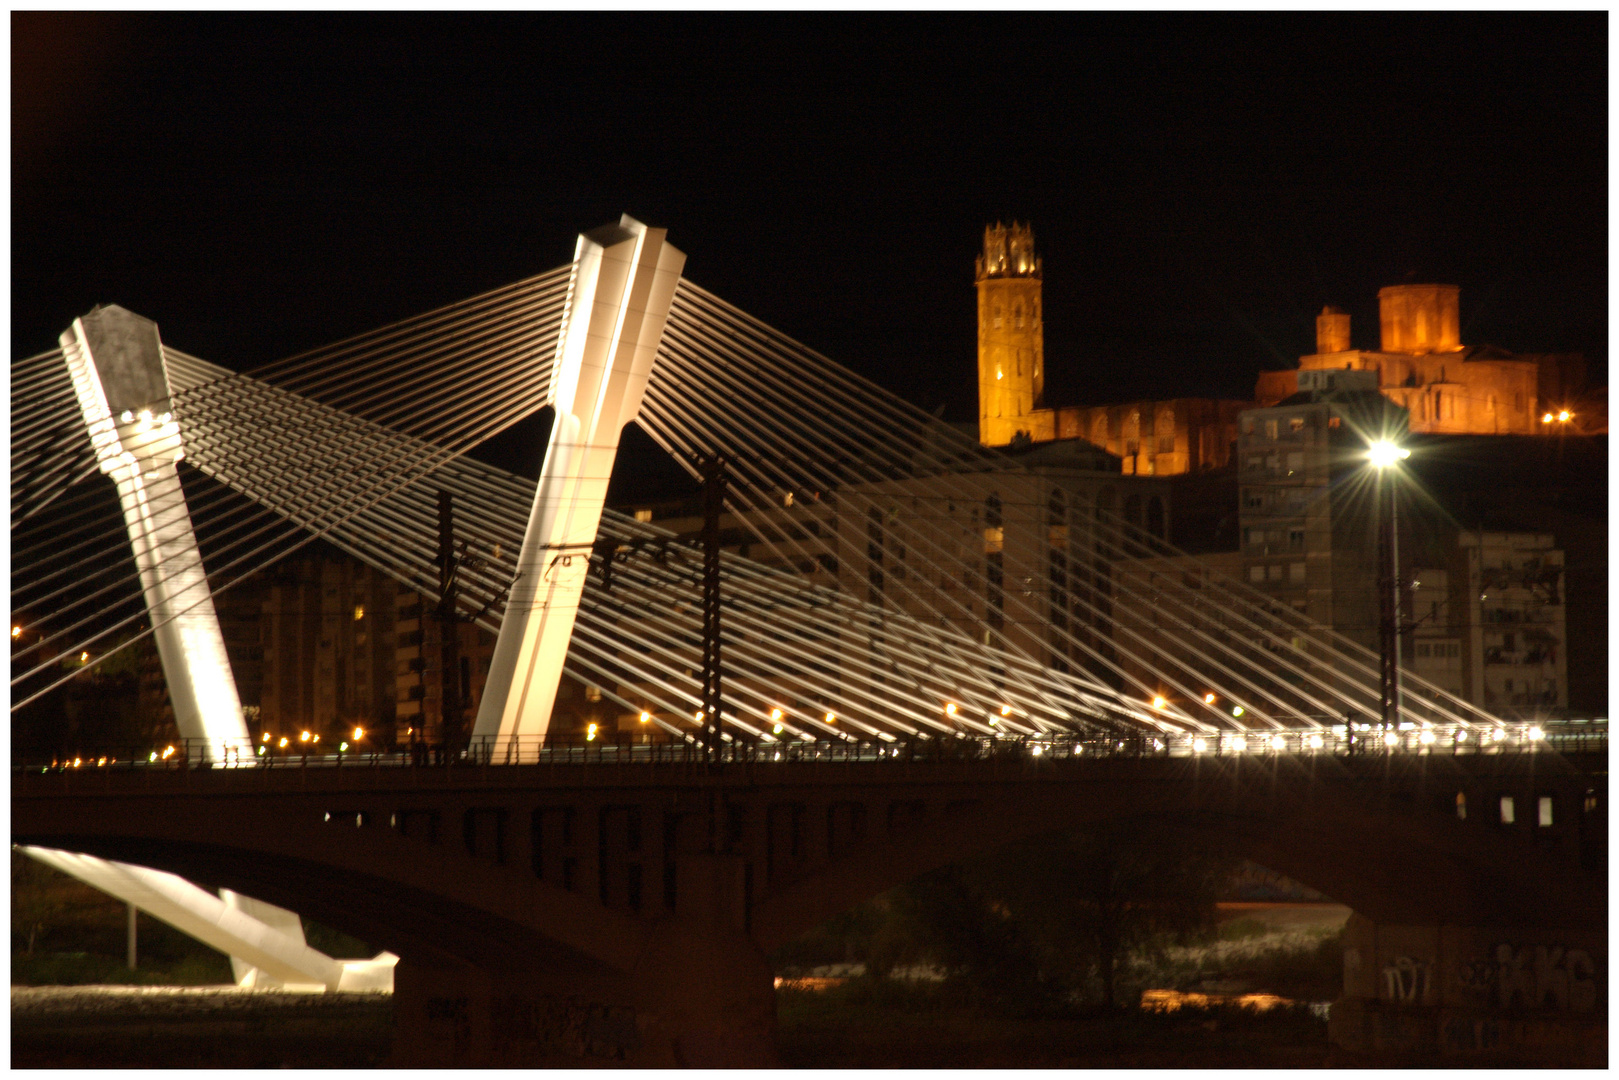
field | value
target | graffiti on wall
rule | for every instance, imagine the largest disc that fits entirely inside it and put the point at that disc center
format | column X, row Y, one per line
column 563, row 1028
column 1406, row 980
column 1534, row 977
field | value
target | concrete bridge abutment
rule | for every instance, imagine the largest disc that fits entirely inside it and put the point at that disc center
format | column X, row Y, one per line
column 700, row 995
column 1502, row 994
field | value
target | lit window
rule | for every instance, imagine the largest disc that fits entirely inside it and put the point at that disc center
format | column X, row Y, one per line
column 1461, row 805
column 1545, row 811
column 1509, row 810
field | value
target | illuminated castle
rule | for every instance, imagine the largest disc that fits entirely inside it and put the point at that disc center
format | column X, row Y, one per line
column 1422, row 365
column 1449, row 388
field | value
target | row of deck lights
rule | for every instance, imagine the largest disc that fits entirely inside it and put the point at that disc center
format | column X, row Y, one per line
column 1390, row 739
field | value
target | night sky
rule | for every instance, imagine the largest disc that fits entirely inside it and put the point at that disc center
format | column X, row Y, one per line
column 1199, row 186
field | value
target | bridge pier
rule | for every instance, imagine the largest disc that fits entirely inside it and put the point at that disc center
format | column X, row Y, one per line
column 701, row 995
column 1520, row 994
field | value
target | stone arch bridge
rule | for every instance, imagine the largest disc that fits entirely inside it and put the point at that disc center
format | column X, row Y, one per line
column 617, row 911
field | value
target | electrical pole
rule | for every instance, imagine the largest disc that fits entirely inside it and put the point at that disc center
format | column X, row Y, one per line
column 712, row 468
column 451, row 720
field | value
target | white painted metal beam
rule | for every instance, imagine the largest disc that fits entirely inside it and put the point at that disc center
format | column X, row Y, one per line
column 623, row 283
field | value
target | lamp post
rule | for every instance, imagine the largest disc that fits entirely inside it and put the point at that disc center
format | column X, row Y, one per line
column 1384, row 457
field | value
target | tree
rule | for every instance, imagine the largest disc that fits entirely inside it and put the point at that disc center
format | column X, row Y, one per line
column 35, row 898
column 1089, row 897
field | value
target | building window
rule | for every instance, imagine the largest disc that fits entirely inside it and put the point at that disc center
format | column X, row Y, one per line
column 1461, row 805
column 1256, row 573
column 1295, row 539
column 1271, row 429
column 1274, row 572
column 1509, row 810
column 643, row 515
column 1295, row 573
column 1253, row 498
column 1544, row 811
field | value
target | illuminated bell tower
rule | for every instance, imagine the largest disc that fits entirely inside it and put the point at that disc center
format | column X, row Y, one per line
column 1011, row 336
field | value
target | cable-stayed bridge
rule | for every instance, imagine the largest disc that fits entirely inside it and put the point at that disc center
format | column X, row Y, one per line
column 965, row 628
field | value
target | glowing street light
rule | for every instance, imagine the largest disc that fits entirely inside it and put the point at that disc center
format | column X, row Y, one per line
column 646, row 717
column 590, row 733
column 950, row 708
column 1237, row 710
column 1159, row 701
column 359, row 733
column 1382, row 453
column 1208, row 699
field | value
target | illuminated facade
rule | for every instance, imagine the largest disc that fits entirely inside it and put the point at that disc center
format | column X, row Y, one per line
column 1447, row 387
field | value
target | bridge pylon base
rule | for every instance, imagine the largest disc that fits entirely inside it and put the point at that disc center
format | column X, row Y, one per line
column 696, row 999
column 1508, row 995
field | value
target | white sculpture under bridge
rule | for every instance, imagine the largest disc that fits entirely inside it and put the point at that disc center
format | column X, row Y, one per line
column 265, row 943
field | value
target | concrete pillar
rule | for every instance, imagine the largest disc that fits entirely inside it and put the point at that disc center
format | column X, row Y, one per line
column 116, row 363
column 624, row 281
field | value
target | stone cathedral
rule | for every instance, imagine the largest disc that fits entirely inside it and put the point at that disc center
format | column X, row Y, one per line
column 1421, row 364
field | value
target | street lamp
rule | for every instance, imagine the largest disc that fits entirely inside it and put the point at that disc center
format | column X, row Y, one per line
column 1385, row 455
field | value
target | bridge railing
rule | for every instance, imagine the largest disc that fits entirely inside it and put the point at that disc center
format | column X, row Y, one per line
column 578, row 749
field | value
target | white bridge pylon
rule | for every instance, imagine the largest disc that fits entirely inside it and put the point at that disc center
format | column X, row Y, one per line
column 623, row 283
column 116, row 363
